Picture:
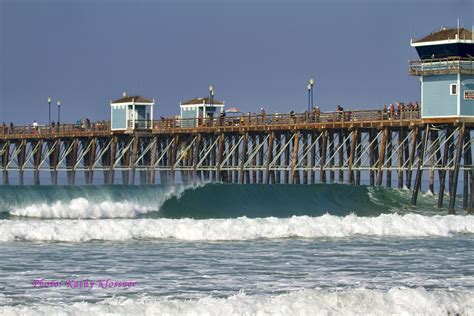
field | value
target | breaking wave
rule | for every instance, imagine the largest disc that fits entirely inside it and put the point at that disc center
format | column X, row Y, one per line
column 409, row 225
column 360, row 301
column 203, row 201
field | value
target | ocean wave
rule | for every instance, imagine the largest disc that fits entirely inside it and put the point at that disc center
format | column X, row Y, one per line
column 361, row 301
column 409, row 225
column 205, row 201
column 82, row 208
column 102, row 205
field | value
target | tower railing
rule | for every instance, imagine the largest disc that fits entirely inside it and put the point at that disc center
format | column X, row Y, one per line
column 440, row 66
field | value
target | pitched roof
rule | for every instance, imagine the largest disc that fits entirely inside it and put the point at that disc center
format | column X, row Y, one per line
column 133, row 98
column 202, row 101
column 445, row 34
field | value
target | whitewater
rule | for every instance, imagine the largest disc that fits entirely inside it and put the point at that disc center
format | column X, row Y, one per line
column 410, row 225
column 218, row 249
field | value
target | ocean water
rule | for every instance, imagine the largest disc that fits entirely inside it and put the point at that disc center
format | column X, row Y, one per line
column 228, row 249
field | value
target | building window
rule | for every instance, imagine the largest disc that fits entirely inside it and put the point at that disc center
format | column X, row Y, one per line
column 453, row 89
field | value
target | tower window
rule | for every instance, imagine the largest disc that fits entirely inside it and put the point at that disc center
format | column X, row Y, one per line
column 453, row 89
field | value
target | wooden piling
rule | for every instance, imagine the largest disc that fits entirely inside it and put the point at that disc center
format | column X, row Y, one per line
column 305, row 158
column 341, row 155
column 466, row 162
column 401, row 138
column 352, row 154
column 269, row 173
column 322, row 170
column 442, row 180
column 457, row 162
column 419, row 169
column 381, row 161
column 243, row 158
column 388, row 154
column 313, row 158
column 294, row 158
column 412, row 157
column 331, row 155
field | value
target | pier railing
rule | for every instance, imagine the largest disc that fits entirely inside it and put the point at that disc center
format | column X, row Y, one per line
column 437, row 66
column 243, row 121
column 289, row 120
column 57, row 130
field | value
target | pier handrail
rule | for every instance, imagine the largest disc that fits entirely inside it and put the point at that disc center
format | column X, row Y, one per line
column 57, row 129
column 288, row 120
column 441, row 65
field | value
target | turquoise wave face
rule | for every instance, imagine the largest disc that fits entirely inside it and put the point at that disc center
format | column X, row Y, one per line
column 204, row 201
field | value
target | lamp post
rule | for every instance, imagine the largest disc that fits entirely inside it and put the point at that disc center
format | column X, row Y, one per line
column 59, row 112
column 49, row 111
column 211, row 93
column 311, row 82
column 309, row 96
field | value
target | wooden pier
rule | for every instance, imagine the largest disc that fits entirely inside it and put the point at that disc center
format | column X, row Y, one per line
column 355, row 147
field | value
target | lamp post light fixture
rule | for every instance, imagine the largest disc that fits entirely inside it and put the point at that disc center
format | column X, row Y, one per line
column 309, row 96
column 311, row 82
column 59, row 112
column 49, row 111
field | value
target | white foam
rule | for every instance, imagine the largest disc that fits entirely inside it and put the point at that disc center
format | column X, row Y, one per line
column 396, row 301
column 409, row 225
column 82, row 208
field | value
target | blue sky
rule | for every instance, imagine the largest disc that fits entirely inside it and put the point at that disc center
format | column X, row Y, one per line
column 255, row 53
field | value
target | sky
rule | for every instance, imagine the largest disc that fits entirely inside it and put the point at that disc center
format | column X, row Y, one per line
column 256, row 54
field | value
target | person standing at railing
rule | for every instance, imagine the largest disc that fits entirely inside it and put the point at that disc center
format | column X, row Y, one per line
column 392, row 111
column 35, row 127
column 339, row 112
column 317, row 114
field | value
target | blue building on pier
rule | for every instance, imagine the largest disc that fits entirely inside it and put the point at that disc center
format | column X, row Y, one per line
column 131, row 113
column 446, row 70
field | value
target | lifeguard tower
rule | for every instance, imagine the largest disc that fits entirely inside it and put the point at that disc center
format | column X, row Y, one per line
column 446, row 70
column 200, row 108
column 131, row 113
